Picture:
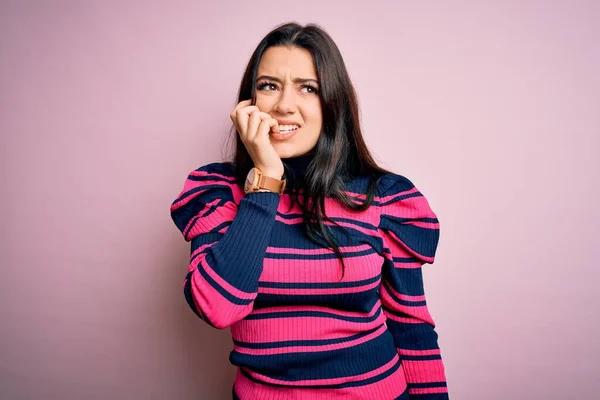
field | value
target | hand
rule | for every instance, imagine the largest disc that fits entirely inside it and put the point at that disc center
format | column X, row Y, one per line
column 254, row 127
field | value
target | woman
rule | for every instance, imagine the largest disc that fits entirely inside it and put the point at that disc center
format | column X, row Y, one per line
column 306, row 248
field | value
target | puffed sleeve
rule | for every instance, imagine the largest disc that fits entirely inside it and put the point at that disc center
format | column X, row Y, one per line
column 228, row 243
column 410, row 233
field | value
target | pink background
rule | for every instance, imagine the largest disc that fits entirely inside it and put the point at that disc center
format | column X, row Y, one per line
column 491, row 108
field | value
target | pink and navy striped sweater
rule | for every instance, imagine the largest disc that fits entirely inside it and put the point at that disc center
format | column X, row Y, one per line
column 298, row 331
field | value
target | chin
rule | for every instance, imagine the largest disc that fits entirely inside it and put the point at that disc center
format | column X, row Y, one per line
column 285, row 151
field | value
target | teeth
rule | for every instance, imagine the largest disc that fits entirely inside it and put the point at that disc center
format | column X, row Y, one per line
column 287, row 128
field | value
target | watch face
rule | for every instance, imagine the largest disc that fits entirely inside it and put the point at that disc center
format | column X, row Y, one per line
column 249, row 179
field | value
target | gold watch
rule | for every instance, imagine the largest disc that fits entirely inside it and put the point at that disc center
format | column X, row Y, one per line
column 256, row 180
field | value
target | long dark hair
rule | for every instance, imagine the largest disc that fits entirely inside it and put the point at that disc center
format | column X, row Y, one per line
column 340, row 153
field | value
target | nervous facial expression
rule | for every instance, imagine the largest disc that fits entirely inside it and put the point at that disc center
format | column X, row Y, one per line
column 287, row 88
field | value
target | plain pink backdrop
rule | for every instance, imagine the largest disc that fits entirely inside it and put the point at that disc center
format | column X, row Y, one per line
column 491, row 108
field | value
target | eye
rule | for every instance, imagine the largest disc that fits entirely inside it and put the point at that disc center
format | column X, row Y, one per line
column 262, row 85
column 312, row 88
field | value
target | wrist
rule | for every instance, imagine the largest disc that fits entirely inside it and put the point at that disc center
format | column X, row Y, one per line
column 272, row 174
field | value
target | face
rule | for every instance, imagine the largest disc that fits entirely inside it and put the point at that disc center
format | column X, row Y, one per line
column 287, row 89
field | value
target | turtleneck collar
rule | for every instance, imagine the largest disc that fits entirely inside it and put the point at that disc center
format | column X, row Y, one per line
column 295, row 167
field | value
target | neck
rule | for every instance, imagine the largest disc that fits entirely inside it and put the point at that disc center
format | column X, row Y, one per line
column 295, row 167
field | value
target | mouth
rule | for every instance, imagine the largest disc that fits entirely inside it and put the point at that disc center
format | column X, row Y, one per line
column 285, row 131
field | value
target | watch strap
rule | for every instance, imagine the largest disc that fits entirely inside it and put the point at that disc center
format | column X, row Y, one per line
column 272, row 184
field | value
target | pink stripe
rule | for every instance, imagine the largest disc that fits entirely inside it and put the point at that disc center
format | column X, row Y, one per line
column 402, row 296
column 402, row 320
column 424, row 371
column 390, row 387
column 191, row 184
column 300, row 328
column 218, row 309
column 295, row 221
column 288, row 221
column 306, row 270
column 297, row 291
column 398, row 251
column 420, row 313
column 335, row 209
column 428, row 390
column 206, row 173
column 201, row 249
column 411, row 208
column 197, row 222
column 319, row 251
column 330, row 381
column 314, row 308
column 385, row 199
column 428, row 352
column 305, row 349
column 424, row 224
column 201, row 259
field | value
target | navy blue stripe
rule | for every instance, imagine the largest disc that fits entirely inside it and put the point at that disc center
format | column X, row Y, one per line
column 405, row 220
column 204, row 215
column 337, row 219
column 292, row 367
column 325, row 256
column 401, row 301
column 397, row 313
column 427, row 385
column 363, row 382
column 310, row 342
column 405, row 335
column 216, row 229
column 319, row 285
column 212, row 178
column 355, row 222
column 361, row 302
column 297, row 314
column 290, row 215
column 429, row 396
column 203, row 188
column 233, row 299
column 421, row 240
column 408, row 281
column 405, row 260
column 213, row 208
column 187, row 291
column 404, row 395
column 399, row 198
column 203, row 239
column 422, row 358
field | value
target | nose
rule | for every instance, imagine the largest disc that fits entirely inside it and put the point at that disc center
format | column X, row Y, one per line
column 287, row 100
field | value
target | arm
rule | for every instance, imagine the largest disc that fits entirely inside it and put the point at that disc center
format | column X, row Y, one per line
column 410, row 233
column 228, row 243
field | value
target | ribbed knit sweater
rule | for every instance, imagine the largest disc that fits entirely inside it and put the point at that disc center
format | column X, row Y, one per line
column 298, row 331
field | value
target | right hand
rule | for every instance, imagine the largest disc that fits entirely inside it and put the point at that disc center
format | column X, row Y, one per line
column 254, row 127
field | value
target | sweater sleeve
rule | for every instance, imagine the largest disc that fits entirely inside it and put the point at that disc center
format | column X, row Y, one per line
column 410, row 233
column 228, row 243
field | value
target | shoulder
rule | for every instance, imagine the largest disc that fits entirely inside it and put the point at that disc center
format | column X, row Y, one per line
column 214, row 170
column 214, row 179
column 212, row 175
column 398, row 193
column 391, row 184
column 206, row 187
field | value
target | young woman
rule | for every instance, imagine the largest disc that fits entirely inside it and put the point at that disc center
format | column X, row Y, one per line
column 307, row 249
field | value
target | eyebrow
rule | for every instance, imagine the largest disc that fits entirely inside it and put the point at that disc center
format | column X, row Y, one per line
column 295, row 80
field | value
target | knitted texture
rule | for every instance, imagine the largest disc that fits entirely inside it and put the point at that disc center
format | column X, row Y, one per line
column 298, row 331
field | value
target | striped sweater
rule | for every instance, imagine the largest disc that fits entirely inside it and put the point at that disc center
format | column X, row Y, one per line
column 298, row 331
